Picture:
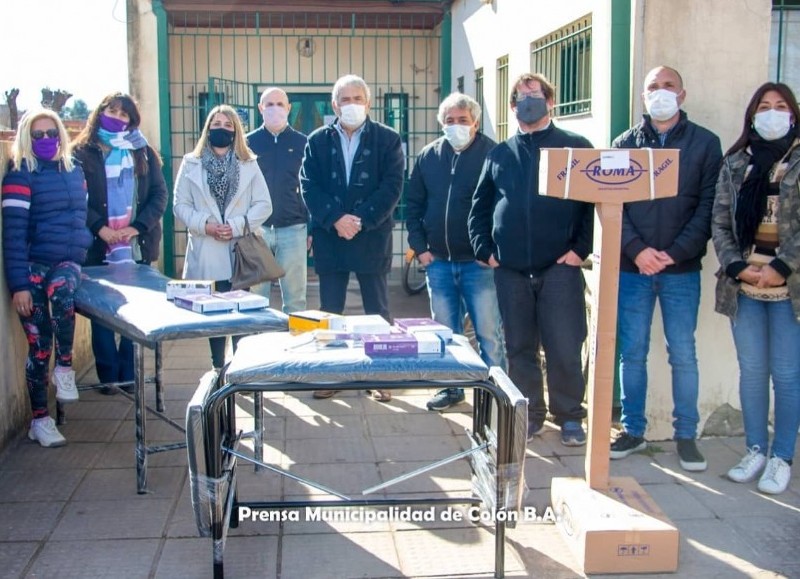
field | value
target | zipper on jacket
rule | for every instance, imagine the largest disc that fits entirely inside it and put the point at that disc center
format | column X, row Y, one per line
column 453, row 164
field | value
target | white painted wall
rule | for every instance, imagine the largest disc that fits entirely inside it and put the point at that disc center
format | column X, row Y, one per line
column 721, row 48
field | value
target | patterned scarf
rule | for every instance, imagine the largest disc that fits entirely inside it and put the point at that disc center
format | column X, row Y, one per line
column 120, row 186
column 223, row 176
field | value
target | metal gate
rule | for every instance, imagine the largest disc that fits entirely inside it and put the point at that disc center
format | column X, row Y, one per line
column 232, row 57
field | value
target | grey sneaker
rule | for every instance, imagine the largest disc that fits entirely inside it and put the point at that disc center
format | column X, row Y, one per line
column 572, row 433
column 776, row 476
column 535, row 428
column 690, row 457
column 749, row 467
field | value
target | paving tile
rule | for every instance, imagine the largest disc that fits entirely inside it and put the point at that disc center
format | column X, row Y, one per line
column 349, row 479
column 730, row 500
column 122, row 455
column 408, row 425
column 541, row 547
column 157, row 431
column 274, row 426
column 181, row 522
column 313, row 520
column 326, row 450
column 455, row 476
column 450, row 552
column 24, row 486
column 415, row 448
column 318, row 426
column 677, row 502
column 120, row 519
column 26, row 522
column 96, row 559
column 540, row 470
column 89, row 430
column 14, row 557
column 709, row 548
column 302, row 404
column 110, row 408
column 772, row 539
column 30, row 455
column 339, row 555
column 120, row 483
column 243, row 557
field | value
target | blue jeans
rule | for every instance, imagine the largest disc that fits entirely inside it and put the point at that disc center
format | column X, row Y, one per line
column 679, row 298
column 113, row 363
column 458, row 286
column 289, row 244
column 767, row 339
column 546, row 310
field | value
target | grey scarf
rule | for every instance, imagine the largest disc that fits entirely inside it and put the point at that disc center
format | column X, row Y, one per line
column 223, row 176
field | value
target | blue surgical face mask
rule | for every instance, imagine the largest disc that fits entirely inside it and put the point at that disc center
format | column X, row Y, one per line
column 531, row 110
column 772, row 124
column 458, row 136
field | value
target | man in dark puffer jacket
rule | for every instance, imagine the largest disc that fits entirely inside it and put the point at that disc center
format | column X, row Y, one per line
column 663, row 243
column 536, row 245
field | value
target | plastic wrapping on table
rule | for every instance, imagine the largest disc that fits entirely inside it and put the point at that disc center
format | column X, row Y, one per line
column 280, row 357
column 131, row 299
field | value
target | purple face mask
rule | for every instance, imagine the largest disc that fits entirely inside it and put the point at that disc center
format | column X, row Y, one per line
column 112, row 124
column 45, row 148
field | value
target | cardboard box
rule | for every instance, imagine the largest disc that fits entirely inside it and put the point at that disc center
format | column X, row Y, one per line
column 420, row 325
column 402, row 344
column 618, row 530
column 204, row 303
column 244, row 299
column 367, row 324
column 185, row 287
column 314, row 319
column 609, row 174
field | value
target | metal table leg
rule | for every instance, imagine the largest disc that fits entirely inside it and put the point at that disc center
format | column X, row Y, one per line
column 139, row 401
column 159, row 379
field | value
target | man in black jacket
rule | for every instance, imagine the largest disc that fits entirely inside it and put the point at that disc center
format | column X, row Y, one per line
column 351, row 178
column 663, row 243
column 437, row 207
column 280, row 151
column 536, row 245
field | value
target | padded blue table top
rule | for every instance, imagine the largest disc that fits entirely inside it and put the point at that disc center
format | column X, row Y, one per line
column 131, row 299
column 280, row 357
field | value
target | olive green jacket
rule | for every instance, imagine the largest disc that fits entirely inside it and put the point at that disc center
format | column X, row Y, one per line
column 723, row 232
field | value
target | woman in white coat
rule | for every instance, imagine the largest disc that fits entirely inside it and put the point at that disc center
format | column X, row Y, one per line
column 218, row 185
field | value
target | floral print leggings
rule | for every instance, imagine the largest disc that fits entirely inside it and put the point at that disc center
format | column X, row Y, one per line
column 53, row 316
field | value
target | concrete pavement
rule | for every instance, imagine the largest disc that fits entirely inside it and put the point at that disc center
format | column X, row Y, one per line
column 74, row 511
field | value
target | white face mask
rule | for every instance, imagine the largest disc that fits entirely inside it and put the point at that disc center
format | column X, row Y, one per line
column 661, row 104
column 458, row 136
column 275, row 117
column 353, row 116
column 772, row 124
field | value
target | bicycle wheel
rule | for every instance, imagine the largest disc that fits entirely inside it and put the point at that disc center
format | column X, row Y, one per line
column 413, row 279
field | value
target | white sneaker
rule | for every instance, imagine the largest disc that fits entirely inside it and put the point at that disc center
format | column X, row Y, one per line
column 66, row 390
column 776, row 476
column 44, row 431
column 749, row 467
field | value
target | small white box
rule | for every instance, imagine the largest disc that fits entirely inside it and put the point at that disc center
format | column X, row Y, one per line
column 244, row 299
column 367, row 324
column 204, row 303
column 185, row 287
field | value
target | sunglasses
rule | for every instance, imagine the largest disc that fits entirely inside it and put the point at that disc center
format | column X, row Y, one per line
column 51, row 133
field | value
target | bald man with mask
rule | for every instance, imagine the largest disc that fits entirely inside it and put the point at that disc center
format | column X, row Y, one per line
column 280, row 153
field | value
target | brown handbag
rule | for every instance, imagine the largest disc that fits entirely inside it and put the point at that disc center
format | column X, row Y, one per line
column 253, row 262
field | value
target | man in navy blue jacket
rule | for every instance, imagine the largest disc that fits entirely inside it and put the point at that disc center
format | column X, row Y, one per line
column 536, row 245
column 663, row 243
column 280, row 152
column 437, row 207
column 351, row 178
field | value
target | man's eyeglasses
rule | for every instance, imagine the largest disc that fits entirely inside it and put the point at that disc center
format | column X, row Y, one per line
column 51, row 133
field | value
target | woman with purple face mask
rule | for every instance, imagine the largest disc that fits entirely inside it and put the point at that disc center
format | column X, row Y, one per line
column 44, row 242
column 127, row 198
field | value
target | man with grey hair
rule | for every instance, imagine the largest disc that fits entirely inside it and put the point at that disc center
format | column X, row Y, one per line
column 351, row 178
column 438, row 203
column 280, row 151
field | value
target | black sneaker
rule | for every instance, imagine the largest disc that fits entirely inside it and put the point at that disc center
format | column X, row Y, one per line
column 446, row 398
column 625, row 445
column 535, row 427
column 690, row 457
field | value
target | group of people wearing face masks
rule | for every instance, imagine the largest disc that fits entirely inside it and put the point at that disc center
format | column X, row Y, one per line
column 67, row 204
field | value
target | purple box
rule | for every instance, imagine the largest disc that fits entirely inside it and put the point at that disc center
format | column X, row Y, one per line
column 401, row 344
column 418, row 325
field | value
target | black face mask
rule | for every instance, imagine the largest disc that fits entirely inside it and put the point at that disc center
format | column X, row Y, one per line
column 220, row 138
column 531, row 109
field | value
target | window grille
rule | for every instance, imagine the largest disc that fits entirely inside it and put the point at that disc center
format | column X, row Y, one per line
column 502, row 98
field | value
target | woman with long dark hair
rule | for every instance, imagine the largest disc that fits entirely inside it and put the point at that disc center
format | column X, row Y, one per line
column 756, row 233
column 127, row 198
